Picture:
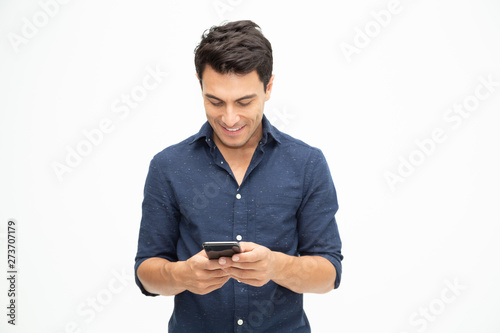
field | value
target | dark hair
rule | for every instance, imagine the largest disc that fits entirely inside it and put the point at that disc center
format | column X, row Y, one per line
column 235, row 47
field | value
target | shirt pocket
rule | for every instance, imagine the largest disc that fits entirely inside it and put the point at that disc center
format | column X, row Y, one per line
column 276, row 222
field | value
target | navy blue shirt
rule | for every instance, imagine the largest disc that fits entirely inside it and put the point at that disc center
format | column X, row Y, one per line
column 286, row 202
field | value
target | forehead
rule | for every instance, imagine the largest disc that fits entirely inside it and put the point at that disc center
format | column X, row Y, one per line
column 230, row 85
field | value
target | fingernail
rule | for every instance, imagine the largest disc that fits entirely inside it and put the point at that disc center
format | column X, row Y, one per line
column 222, row 261
column 236, row 258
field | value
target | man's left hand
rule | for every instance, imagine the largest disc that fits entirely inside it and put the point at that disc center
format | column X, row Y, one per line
column 255, row 265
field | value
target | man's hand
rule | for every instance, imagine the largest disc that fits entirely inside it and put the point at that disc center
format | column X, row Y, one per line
column 255, row 266
column 198, row 274
column 201, row 275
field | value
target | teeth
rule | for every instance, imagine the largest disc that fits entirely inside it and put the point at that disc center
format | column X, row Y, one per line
column 233, row 130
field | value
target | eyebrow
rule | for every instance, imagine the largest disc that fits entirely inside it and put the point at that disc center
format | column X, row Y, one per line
column 239, row 99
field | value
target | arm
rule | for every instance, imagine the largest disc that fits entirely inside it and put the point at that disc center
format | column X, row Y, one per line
column 198, row 274
column 307, row 274
column 158, row 270
column 257, row 265
column 157, row 276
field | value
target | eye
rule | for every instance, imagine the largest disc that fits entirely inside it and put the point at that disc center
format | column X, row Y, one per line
column 244, row 104
column 215, row 104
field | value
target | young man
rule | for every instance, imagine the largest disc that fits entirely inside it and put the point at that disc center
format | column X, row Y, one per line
column 238, row 179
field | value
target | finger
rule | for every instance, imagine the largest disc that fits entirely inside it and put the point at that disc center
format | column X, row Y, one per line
column 245, row 266
column 235, row 273
column 253, row 282
column 218, row 281
column 209, row 286
column 212, row 265
column 216, row 273
column 202, row 262
column 247, row 246
column 248, row 257
column 226, row 261
column 241, row 273
column 202, row 253
column 250, row 277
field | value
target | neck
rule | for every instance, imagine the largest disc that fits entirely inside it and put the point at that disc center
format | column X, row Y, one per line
column 239, row 158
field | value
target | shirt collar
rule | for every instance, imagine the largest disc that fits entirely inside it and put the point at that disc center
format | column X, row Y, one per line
column 269, row 132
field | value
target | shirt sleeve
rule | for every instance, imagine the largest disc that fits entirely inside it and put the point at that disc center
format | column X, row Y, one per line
column 317, row 227
column 159, row 228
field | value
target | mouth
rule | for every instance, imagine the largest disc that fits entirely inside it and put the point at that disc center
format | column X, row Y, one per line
column 232, row 131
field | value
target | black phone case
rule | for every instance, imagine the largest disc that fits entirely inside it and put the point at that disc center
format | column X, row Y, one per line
column 215, row 251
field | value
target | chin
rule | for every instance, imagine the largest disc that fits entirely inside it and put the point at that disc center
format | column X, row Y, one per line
column 230, row 144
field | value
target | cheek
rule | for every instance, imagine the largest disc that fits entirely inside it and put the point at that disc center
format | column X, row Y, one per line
column 210, row 111
column 257, row 112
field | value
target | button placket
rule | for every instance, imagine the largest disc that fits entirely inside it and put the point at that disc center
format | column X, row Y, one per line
column 240, row 225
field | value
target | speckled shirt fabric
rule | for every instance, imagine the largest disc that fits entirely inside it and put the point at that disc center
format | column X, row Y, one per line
column 286, row 202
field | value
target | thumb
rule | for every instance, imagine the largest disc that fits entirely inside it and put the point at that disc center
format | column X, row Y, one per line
column 247, row 246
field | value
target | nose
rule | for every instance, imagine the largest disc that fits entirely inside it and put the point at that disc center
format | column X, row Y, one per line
column 230, row 116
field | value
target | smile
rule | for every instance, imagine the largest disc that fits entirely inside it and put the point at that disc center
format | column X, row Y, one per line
column 233, row 130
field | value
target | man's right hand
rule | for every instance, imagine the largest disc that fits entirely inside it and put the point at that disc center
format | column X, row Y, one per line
column 199, row 274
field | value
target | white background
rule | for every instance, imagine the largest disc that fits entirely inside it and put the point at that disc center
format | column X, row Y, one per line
column 404, row 245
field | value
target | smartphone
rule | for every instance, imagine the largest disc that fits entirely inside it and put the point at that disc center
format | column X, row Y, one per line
column 215, row 250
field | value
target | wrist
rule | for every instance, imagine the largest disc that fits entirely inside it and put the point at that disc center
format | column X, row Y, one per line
column 172, row 274
column 280, row 263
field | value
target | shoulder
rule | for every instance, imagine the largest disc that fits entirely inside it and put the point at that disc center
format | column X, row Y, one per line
column 179, row 153
column 297, row 147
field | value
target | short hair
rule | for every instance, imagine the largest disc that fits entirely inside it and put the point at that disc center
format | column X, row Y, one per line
column 235, row 47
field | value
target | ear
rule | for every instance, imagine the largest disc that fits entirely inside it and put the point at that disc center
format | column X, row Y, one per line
column 269, row 88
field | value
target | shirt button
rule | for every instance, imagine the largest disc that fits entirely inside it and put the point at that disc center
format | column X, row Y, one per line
column 240, row 322
column 238, row 196
column 238, row 237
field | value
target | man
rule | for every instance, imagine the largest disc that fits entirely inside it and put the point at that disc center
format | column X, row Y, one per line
column 238, row 179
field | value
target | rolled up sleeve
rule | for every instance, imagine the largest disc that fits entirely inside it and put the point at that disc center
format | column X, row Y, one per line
column 317, row 226
column 159, row 228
